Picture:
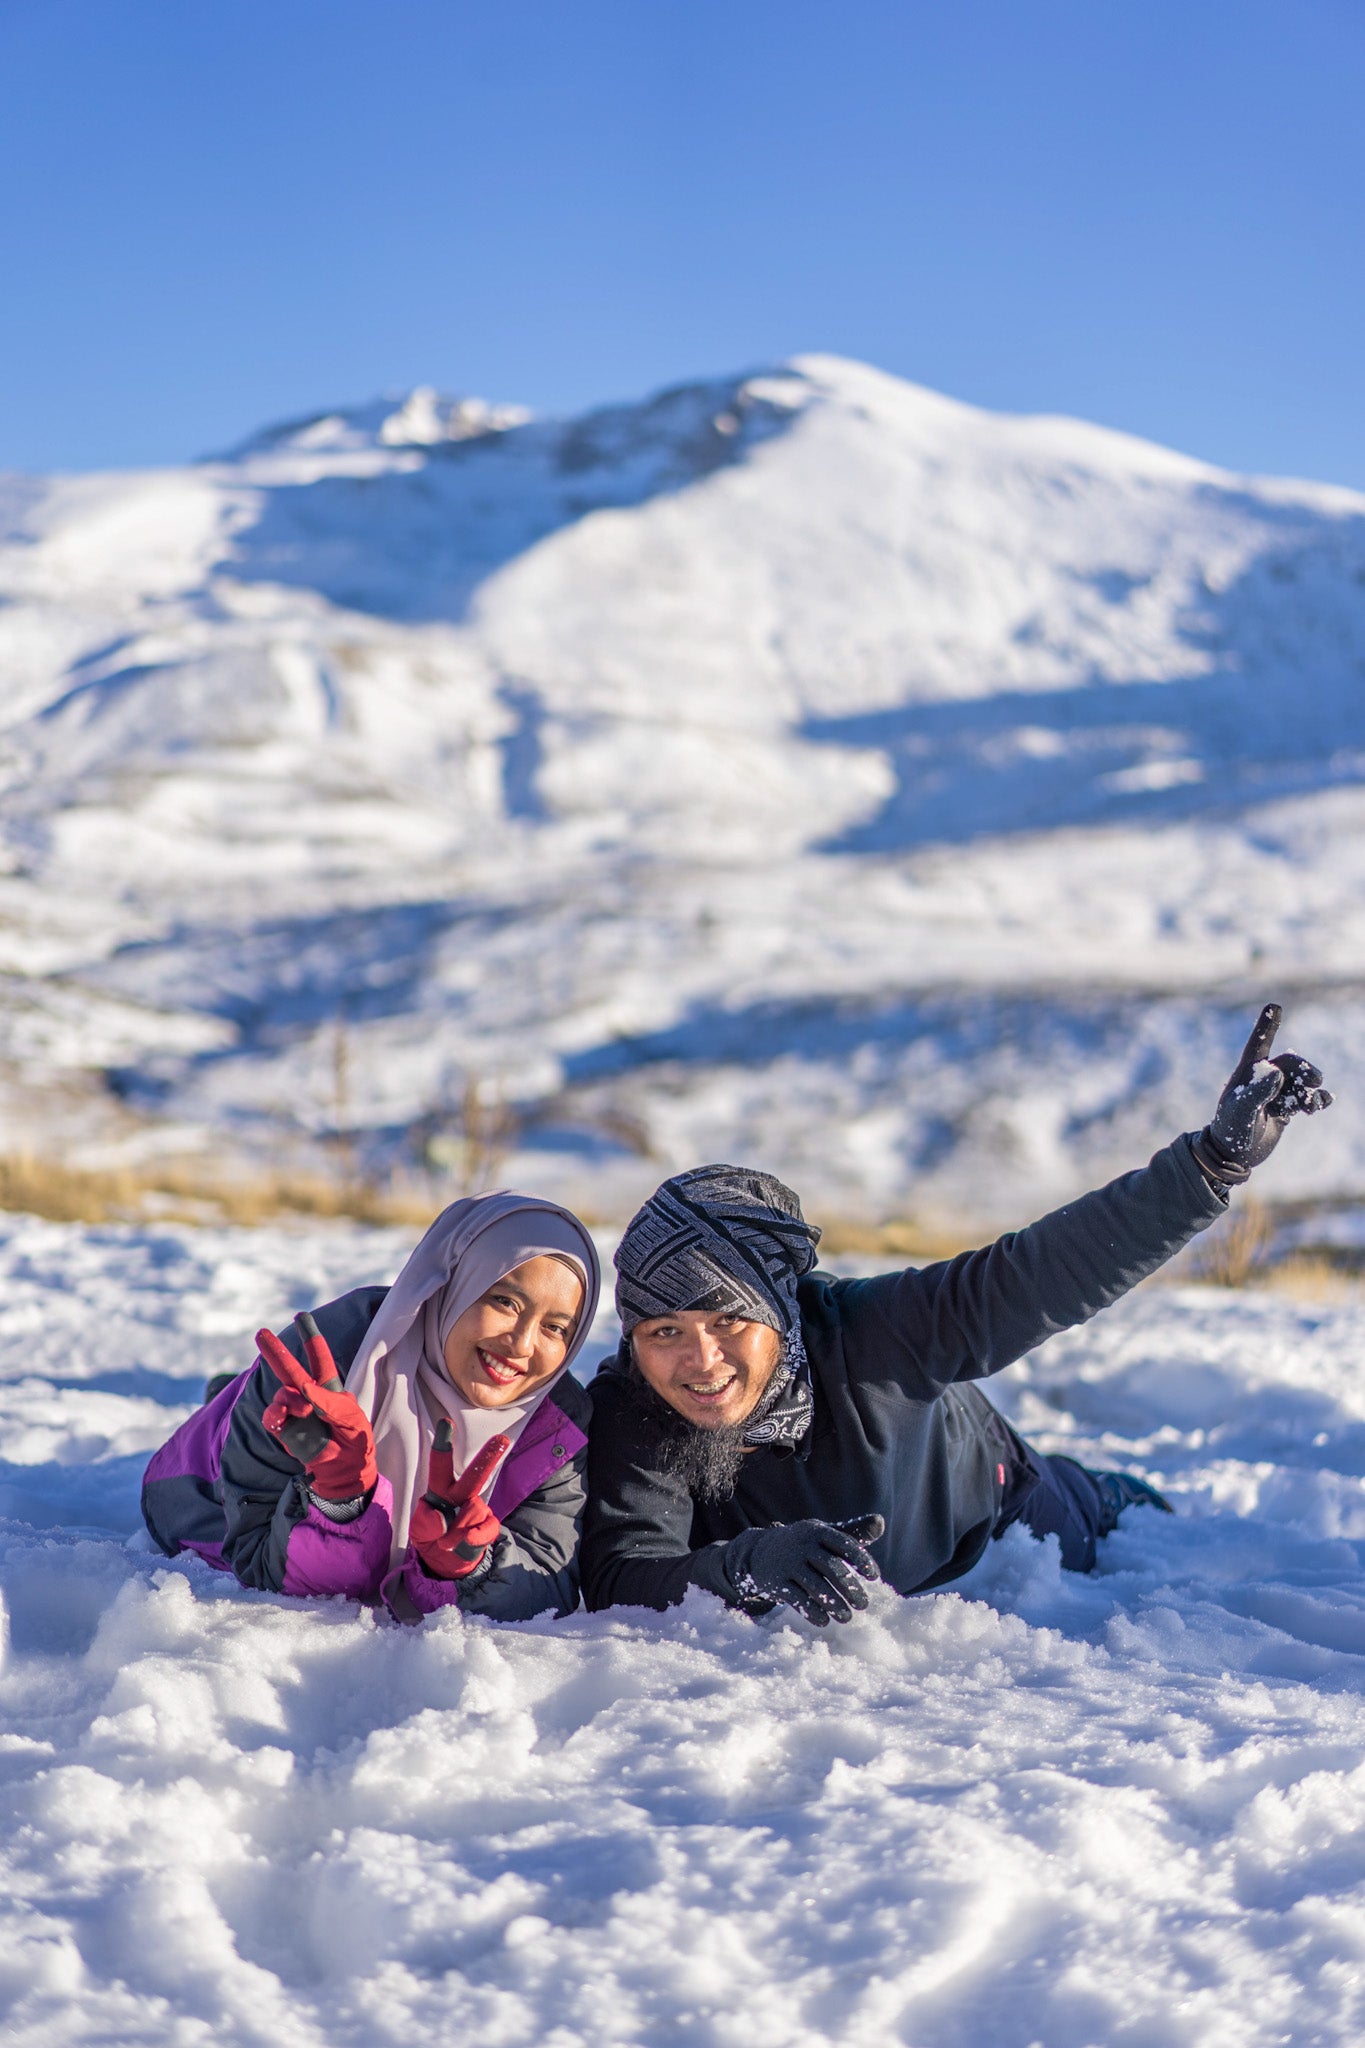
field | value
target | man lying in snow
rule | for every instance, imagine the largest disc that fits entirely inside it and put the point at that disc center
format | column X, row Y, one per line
column 455, row 1377
column 777, row 1436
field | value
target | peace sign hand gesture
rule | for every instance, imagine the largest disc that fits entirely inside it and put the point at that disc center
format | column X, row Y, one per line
column 453, row 1527
column 326, row 1429
column 1258, row 1101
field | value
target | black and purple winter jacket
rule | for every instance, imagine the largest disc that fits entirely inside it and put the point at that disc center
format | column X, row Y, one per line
column 225, row 1489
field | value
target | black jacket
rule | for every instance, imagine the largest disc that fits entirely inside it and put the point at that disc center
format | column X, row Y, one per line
column 897, row 1429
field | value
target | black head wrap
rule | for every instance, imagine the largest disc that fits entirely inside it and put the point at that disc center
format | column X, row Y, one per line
column 729, row 1241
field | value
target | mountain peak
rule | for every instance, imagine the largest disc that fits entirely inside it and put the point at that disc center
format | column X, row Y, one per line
column 421, row 418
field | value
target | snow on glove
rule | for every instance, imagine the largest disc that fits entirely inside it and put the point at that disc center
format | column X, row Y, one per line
column 1257, row 1103
column 815, row 1567
column 326, row 1429
column 453, row 1527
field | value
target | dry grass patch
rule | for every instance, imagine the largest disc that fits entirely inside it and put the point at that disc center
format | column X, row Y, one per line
column 1311, row 1277
column 183, row 1192
column 1240, row 1252
column 1236, row 1251
column 909, row 1241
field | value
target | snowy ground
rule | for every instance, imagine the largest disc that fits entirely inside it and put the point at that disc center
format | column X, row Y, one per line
column 1067, row 1812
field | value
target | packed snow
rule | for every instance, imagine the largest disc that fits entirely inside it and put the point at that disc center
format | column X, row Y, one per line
column 697, row 777
column 1123, row 1810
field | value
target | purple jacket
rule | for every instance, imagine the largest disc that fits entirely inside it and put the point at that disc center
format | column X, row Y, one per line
column 224, row 1488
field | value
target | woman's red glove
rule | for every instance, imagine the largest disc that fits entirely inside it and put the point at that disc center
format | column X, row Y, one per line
column 452, row 1525
column 325, row 1428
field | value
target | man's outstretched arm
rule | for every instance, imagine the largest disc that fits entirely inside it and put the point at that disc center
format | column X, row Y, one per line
column 975, row 1314
column 968, row 1317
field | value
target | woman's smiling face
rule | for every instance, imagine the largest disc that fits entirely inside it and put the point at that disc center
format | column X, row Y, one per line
column 516, row 1336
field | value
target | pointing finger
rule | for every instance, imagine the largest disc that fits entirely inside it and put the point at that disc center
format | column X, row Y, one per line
column 441, row 1465
column 284, row 1365
column 479, row 1470
column 318, row 1353
column 443, row 1488
column 1262, row 1038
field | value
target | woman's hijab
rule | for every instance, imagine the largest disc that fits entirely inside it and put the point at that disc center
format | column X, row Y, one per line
column 399, row 1375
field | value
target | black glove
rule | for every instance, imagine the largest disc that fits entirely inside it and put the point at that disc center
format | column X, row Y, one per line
column 814, row 1567
column 1257, row 1103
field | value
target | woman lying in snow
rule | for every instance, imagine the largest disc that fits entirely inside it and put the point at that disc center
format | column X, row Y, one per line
column 376, row 1489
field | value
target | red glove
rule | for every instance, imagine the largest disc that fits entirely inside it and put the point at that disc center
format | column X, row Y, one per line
column 326, row 1429
column 452, row 1525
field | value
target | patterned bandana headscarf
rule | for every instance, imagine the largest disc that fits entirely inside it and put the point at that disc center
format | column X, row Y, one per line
column 730, row 1241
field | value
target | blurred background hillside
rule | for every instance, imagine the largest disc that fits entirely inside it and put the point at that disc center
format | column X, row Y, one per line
column 630, row 741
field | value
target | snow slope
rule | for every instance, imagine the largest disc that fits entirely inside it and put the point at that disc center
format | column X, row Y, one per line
column 1120, row 1812
column 798, row 764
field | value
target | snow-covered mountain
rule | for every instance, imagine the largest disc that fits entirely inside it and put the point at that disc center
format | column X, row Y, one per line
column 798, row 766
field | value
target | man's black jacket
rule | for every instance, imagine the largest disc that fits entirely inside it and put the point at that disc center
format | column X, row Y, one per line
column 896, row 1431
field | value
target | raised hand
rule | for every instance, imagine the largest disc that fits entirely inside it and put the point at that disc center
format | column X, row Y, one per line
column 1258, row 1101
column 452, row 1525
column 325, row 1428
column 815, row 1567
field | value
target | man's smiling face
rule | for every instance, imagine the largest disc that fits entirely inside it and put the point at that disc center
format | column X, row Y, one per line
column 713, row 1369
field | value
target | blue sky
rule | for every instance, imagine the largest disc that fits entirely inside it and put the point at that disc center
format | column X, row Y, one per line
column 222, row 212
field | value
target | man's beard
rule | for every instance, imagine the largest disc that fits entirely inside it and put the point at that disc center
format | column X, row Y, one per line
column 706, row 1461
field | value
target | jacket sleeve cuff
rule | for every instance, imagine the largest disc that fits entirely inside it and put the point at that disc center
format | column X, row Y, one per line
column 1211, row 1181
column 341, row 1510
column 409, row 1592
column 324, row 1556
